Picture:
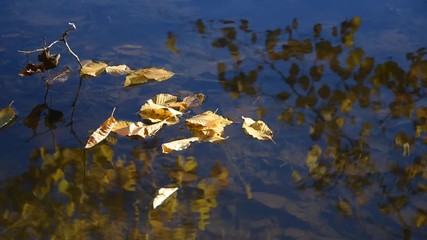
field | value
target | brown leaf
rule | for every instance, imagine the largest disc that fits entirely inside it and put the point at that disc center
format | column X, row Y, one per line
column 92, row 69
column 144, row 75
column 194, row 100
column 7, row 115
column 49, row 61
column 178, row 145
column 118, row 70
column 31, row 69
column 102, row 132
column 258, row 129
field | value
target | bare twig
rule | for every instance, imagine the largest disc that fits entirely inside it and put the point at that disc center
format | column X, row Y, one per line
column 62, row 39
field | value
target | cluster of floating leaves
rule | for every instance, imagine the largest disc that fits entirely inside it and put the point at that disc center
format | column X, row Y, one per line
column 165, row 109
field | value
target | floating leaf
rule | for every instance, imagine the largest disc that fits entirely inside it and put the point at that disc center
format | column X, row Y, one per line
column 208, row 126
column 102, row 132
column 258, row 129
column 118, row 70
column 92, row 69
column 144, row 75
column 164, row 99
column 31, row 69
column 162, row 195
column 49, row 61
column 126, row 128
column 60, row 77
column 7, row 115
column 178, row 145
column 156, row 113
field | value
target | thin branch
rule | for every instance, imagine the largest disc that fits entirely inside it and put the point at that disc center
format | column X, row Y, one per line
column 63, row 39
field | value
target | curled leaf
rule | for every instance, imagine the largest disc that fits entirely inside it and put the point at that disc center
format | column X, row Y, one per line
column 31, row 69
column 162, row 195
column 144, row 75
column 49, row 61
column 92, row 69
column 209, row 126
column 118, row 70
column 7, row 115
column 126, row 128
column 258, row 129
column 156, row 113
column 102, row 132
column 178, row 145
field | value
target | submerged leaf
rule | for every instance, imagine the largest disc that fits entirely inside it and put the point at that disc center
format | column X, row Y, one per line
column 92, row 69
column 60, row 77
column 178, row 145
column 144, row 75
column 102, row 132
column 7, row 115
column 118, row 70
column 258, row 129
column 162, row 195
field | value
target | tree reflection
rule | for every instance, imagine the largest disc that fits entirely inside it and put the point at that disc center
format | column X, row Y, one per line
column 107, row 198
column 328, row 75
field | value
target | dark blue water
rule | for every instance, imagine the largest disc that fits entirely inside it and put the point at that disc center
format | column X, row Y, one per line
column 369, row 181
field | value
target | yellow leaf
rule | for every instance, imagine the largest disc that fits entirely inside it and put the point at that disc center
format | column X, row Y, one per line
column 164, row 99
column 7, row 115
column 208, row 121
column 102, row 132
column 258, row 129
column 156, row 113
column 126, row 128
column 92, row 69
column 118, row 70
column 143, row 75
column 178, row 145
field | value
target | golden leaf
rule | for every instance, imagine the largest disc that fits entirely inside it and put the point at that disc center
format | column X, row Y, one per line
column 126, row 128
column 178, row 145
column 164, row 99
column 209, row 121
column 156, row 113
column 258, row 129
column 143, row 75
column 92, row 69
column 7, row 115
column 102, row 132
column 118, row 70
